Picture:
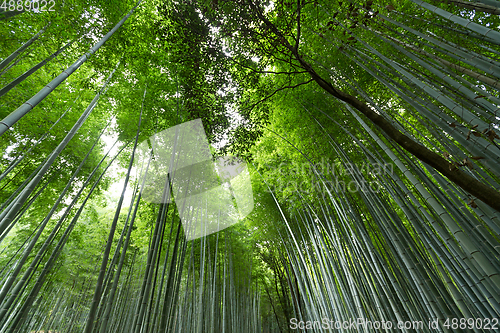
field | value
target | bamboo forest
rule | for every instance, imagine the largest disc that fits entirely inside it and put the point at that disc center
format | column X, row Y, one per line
column 244, row 166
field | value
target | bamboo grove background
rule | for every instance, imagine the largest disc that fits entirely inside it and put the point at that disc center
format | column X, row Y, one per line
column 348, row 222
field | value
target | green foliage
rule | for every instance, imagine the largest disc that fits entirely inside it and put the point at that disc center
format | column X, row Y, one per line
column 308, row 243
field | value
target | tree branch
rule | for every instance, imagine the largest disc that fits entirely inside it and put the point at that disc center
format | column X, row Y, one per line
column 250, row 108
column 265, row 72
column 299, row 7
column 484, row 192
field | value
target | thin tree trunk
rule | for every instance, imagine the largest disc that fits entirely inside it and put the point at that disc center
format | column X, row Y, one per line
column 19, row 159
column 487, row 80
column 480, row 77
column 473, row 59
column 27, row 250
column 32, row 70
column 478, row 7
column 23, row 47
column 109, row 303
column 111, row 297
column 483, row 192
column 472, row 98
column 6, row 69
column 421, row 107
column 98, row 289
column 23, row 311
column 493, row 3
column 12, row 118
column 4, row 15
column 450, row 28
column 494, row 35
column 9, row 213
